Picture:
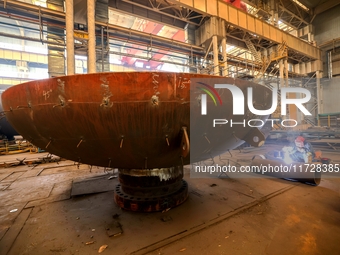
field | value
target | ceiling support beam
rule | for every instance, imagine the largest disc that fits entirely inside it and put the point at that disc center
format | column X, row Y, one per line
column 325, row 6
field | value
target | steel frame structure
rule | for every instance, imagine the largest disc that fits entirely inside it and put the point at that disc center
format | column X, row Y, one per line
column 180, row 16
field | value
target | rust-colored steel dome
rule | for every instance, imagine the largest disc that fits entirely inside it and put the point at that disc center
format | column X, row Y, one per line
column 126, row 120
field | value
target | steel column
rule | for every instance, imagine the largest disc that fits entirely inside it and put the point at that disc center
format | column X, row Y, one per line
column 224, row 55
column 319, row 92
column 215, row 54
column 91, row 59
column 70, row 37
column 224, row 49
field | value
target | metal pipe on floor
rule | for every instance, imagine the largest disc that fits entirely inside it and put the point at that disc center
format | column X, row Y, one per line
column 296, row 171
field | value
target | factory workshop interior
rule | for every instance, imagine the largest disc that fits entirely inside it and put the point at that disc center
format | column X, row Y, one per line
column 170, row 127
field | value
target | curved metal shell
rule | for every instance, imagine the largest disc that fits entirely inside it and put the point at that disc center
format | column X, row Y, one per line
column 124, row 120
column 5, row 128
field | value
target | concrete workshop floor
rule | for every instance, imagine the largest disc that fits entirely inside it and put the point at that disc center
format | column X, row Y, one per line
column 233, row 216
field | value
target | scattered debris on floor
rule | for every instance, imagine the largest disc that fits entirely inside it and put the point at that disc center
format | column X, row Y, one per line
column 29, row 161
column 166, row 218
column 166, row 210
column 102, row 248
